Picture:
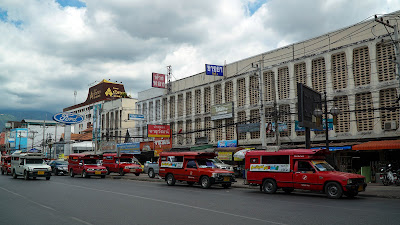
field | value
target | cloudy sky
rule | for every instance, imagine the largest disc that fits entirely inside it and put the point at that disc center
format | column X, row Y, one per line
column 51, row 48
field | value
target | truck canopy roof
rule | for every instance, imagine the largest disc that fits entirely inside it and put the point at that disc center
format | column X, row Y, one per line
column 288, row 152
column 27, row 155
column 82, row 155
column 190, row 154
column 122, row 155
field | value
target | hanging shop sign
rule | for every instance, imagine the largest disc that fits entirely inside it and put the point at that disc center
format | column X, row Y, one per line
column 158, row 80
column 225, row 156
column 249, row 127
column 299, row 128
column 130, row 148
column 158, row 131
column 68, row 118
column 222, row 111
column 161, row 144
column 214, row 70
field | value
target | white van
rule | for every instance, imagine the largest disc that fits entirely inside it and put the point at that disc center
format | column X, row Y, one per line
column 29, row 165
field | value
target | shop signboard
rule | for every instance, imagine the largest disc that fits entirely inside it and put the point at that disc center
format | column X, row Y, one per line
column 249, row 127
column 222, row 111
column 68, row 118
column 281, row 126
column 227, row 143
column 130, row 148
column 161, row 144
column 299, row 128
column 332, row 149
column 158, row 80
column 214, row 70
column 225, row 156
column 158, row 131
column 146, row 146
column 135, row 117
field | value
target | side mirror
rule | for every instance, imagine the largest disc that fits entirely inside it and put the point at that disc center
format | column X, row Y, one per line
column 80, row 164
column 314, row 171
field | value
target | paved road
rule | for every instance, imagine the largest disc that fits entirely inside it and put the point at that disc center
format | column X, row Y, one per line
column 65, row 200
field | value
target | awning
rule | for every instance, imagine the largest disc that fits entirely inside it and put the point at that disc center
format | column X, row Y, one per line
column 378, row 145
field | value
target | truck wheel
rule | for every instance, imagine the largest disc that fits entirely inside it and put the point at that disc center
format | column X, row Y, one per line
column 84, row 174
column 333, row 190
column 137, row 174
column 71, row 173
column 108, row 171
column 121, row 172
column 269, row 186
column 205, row 182
column 14, row 175
column 170, row 179
column 226, row 185
column 26, row 175
column 151, row 173
column 2, row 172
column 47, row 178
column 103, row 176
column 56, row 172
column 288, row 190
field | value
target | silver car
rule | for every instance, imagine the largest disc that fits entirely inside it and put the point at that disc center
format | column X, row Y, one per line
column 151, row 168
column 221, row 165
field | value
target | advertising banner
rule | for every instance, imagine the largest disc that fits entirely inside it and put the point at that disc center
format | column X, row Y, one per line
column 297, row 126
column 161, row 144
column 158, row 131
column 135, row 117
column 222, row 111
column 158, row 80
column 270, row 167
column 227, row 143
column 214, row 70
column 146, row 146
column 130, row 148
column 172, row 164
column 271, row 127
column 225, row 156
column 249, row 127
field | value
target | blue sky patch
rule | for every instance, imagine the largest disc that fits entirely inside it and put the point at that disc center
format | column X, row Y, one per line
column 4, row 18
column 254, row 6
column 71, row 3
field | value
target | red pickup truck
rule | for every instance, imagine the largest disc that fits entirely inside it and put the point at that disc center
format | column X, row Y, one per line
column 86, row 165
column 125, row 163
column 193, row 167
column 5, row 164
column 300, row 169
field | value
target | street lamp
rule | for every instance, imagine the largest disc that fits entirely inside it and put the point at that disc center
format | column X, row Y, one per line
column 335, row 111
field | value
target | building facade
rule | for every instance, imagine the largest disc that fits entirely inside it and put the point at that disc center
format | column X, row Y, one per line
column 352, row 65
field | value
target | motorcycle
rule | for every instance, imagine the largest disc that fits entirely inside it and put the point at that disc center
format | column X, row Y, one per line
column 388, row 177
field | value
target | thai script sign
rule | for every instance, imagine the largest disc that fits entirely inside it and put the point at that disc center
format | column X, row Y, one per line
column 172, row 164
column 222, row 111
column 297, row 126
column 225, row 156
column 131, row 148
column 270, row 167
column 68, row 118
column 227, row 143
column 214, row 70
column 250, row 127
column 158, row 130
column 135, row 117
column 158, row 80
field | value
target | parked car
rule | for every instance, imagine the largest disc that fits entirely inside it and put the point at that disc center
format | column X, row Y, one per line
column 125, row 163
column 59, row 167
column 151, row 168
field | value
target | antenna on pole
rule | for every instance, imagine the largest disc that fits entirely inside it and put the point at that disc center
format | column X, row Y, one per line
column 75, row 93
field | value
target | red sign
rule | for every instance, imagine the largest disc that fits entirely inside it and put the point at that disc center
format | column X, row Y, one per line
column 146, row 146
column 161, row 144
column 158, row 131
column 158, row 80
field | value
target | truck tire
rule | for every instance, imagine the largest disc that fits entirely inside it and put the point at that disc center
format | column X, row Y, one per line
column 2, row 171
column 48, row 178
column 151, row 173
column 121, row 172
column 269, row 186
column 108, row 171
column 71, row 173
column 137, row 174
column 84, row 174
column 205, row 182
column 333, row 190
column 26, row 175
column 226, row 185
column 14, row 175
column 56, row 172
column 170, row 179
column 103, row 176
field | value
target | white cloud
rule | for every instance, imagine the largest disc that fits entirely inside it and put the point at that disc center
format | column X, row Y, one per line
column 57, row 50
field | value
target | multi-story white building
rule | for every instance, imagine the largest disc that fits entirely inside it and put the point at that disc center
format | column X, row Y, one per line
column 353, row 65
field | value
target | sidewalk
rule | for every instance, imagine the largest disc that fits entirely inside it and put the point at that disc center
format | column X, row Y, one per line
column 373, row 189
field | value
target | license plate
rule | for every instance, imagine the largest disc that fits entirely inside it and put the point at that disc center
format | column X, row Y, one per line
column 360, row 188
column 133, row 170
column 40, row 172
column 227, row 179
column 97, row 172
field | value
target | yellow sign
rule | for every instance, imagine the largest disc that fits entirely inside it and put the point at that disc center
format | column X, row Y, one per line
column 225, row 156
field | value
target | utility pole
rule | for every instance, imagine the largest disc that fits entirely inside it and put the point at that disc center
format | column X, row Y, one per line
column 262, row 116
column 169, row 79
column 395, row 43
column 33, row 136
column 44, row 129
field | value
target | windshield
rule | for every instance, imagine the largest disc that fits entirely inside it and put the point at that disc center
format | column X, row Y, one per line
column 34, row 161
column 216, row 160
column 206, row 163
column 126, row 160
column 90, row 161
column 62, row 163
column 322, row 165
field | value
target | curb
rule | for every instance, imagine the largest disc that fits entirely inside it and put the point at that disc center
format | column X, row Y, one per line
column 158, row 179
